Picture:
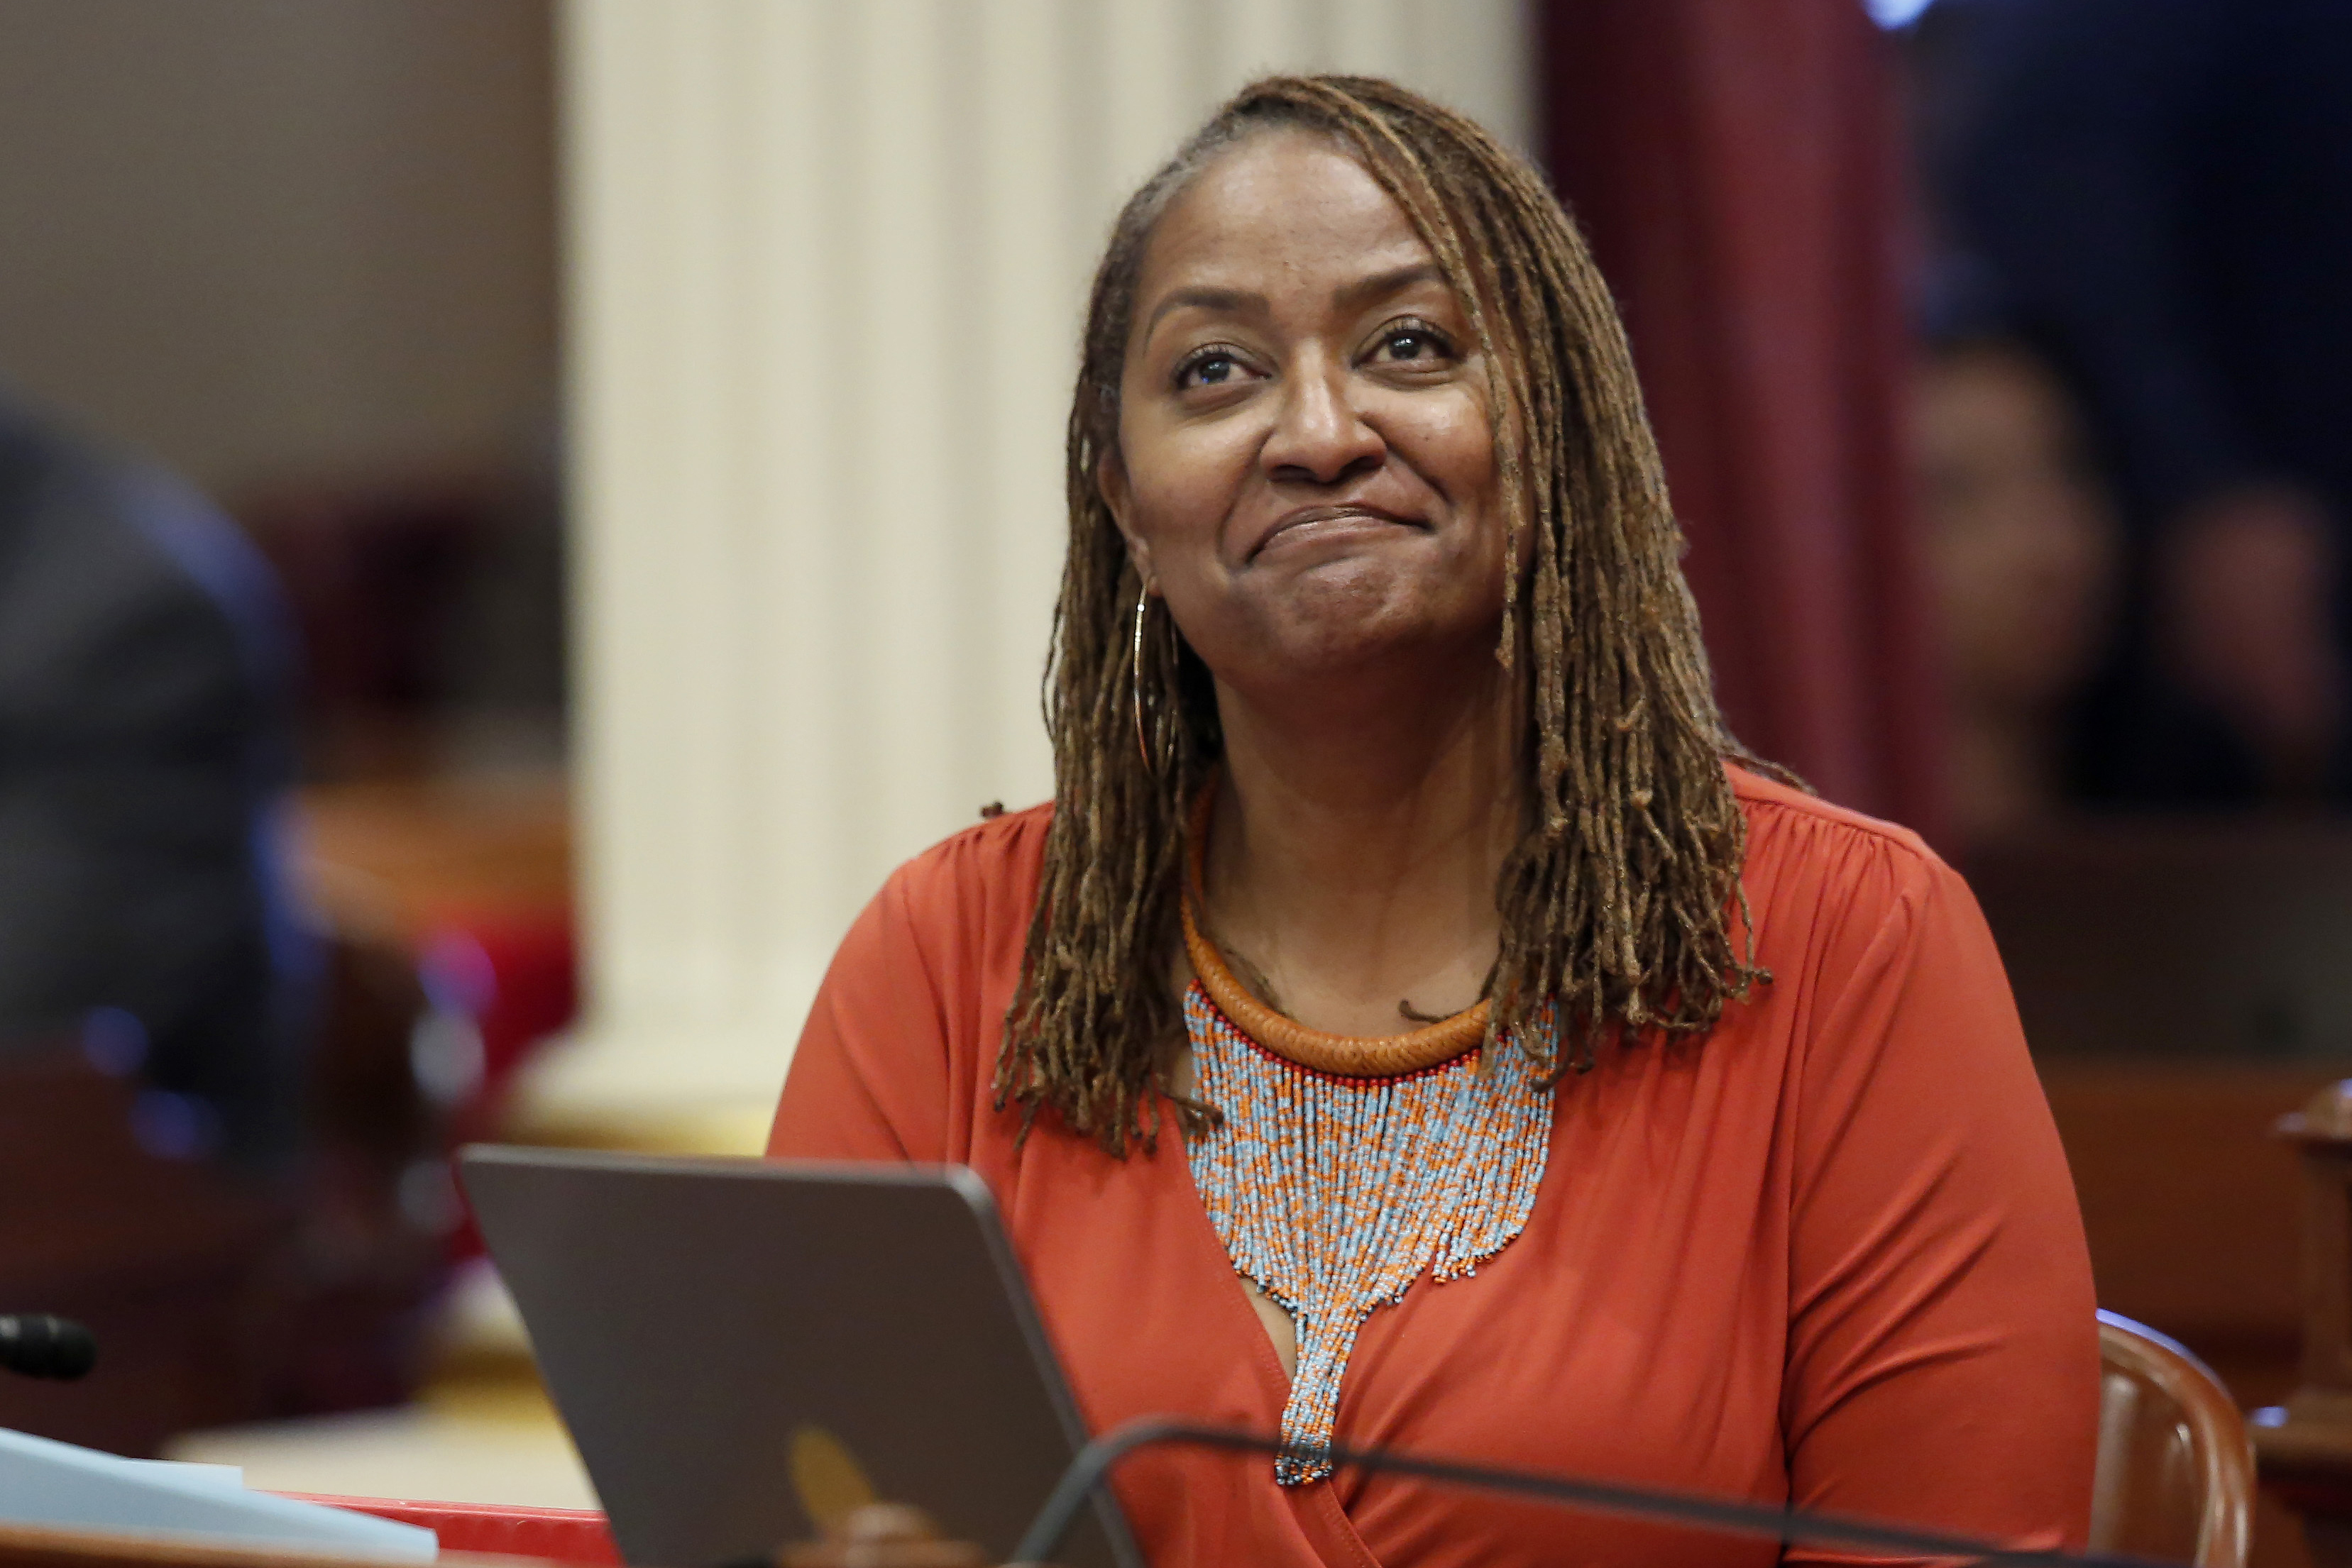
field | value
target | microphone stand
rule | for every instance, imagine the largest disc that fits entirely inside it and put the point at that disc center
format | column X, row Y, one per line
column 1092, row 1465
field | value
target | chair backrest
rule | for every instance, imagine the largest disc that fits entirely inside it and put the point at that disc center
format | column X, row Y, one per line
column 2175, row 1470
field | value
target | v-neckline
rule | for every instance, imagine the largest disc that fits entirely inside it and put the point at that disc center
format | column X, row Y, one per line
column 1273, row 1380
column 1316, row 1504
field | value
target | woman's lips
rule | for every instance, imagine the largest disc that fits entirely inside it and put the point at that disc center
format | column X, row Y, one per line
column 1313, row 524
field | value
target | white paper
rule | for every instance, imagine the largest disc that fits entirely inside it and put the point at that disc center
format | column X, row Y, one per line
column 57, row 1484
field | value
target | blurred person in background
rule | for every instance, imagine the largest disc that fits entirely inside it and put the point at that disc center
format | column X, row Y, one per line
column 2023, row 549
column 145, row 752
column 2165, row 188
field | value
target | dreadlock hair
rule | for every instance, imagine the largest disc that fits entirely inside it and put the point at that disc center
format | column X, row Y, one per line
column 1616, row 903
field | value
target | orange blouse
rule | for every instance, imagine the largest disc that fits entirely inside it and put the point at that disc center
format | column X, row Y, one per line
column 1830, row 1256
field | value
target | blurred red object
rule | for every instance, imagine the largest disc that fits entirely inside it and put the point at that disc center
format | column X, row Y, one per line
column 499, row 986
column 511, row 977
column 553, row 1534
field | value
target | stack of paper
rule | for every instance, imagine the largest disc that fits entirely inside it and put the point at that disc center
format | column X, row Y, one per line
column 57, row 1484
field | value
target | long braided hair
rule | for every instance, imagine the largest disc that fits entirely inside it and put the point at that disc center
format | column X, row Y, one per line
column 1616, row 902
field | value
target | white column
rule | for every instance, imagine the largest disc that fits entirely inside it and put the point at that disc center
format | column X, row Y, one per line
column 827, row 266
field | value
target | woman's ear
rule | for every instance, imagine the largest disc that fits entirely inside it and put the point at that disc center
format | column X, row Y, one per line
column 1111, row 478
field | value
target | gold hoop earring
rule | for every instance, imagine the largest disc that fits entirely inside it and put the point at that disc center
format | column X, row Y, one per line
column 1135, row 678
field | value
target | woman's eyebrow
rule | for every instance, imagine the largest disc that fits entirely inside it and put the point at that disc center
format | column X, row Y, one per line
column 1237, row 301
column 1203, row 298
column 1366, row 290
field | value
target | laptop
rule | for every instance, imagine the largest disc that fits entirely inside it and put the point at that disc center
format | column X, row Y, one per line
column 744, row 1349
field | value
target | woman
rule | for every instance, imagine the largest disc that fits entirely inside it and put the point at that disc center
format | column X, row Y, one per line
column 1409, row 938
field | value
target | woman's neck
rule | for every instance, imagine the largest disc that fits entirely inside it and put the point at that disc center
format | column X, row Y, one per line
column 1355, row 844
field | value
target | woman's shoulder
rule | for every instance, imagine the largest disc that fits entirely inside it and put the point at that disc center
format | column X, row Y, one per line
column 980, row 881
column 1001, row 841
column 900, row 1041
column 1789, row 828
column 1815, row 870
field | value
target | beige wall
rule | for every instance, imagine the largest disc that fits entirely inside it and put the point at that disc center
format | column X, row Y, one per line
column 274, row 239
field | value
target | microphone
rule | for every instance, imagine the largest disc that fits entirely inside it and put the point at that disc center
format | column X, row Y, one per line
column 1092, row 1465
column 38, row 1344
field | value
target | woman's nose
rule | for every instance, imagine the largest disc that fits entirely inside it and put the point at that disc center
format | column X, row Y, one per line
column 1319, row 436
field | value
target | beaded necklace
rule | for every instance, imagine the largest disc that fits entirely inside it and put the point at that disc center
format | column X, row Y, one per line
column 1333, row 1193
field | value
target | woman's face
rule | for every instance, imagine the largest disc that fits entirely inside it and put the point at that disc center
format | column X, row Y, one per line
column 1306, row 464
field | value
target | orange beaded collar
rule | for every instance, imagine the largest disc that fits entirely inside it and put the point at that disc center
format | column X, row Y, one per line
column 1343, row 1055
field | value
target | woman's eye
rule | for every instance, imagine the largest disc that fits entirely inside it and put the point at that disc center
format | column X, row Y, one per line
column 1411, row 346
column 1209, row 369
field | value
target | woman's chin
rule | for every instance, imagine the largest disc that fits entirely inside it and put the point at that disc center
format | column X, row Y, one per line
column 1347, row 638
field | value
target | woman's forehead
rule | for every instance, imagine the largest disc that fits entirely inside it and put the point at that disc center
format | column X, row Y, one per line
column 1284, row 205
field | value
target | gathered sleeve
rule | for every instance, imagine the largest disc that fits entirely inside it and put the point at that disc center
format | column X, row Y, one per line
column 870, row 1079
column 1943, row 1349
column 903, row 1035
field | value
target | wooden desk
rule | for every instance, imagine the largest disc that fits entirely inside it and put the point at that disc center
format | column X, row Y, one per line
column 2182, row 981
column 27, row 1546
column 384, row 860
column 2192, row 1208
column 2305, row 1448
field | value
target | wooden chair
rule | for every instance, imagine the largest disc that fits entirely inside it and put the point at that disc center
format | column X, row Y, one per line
column 2175, row 1469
